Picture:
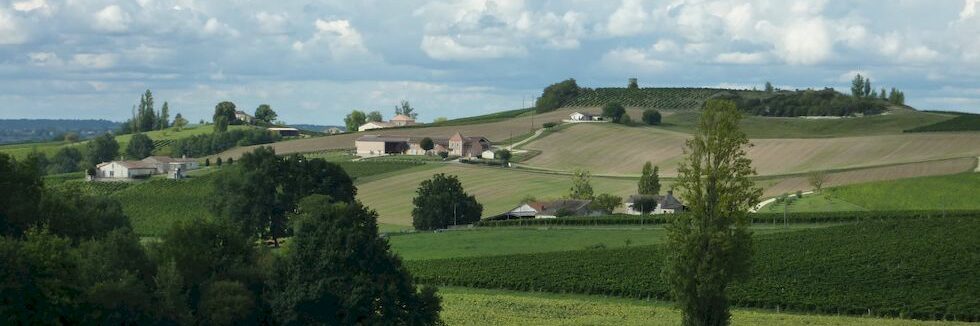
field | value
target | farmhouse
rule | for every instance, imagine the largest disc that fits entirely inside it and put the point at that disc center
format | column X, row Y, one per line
column 550, row 209
column 400, row 120
column 665, row 204
column 145, row 168
column 244, row 117
column 456, row 145
column 578, row 116
column 285, row 132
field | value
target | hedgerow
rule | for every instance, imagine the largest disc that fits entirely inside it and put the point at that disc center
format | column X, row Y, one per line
column 923, row 268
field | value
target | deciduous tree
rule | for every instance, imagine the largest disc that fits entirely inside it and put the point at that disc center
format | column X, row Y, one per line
column 614, row 112
column 711, row 246
column 651, row 117
column 606, row 203
column 441, row 202
column 101, row 149
column 354, row 120
column 649, row 180
column 265, row 113
column 140, row 146
column 581, row 185
column 374, row 116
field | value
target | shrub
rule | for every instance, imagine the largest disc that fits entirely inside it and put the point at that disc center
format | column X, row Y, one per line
column 549, row 124
column 651, row 117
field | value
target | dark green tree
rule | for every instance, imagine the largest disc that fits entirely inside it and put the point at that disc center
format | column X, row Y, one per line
column 375, row 116
column 226, row 303
column 556, row 95
column 66, row 159
column 427, row 144
column 224, row 114
column 339, row 271
column 406, row 109
column 606, row 203
column 857, row 86
column 651, row 117
column 20, row 195
column 441, row 202
column 354, row 120
column 217, row 162
column 769, row 88
column 632, row 84
column 139, row 147
column 504, row 155
column 711, row 246
column 649, row 180
column 164, row 121
column 265, row 113
column 38, row 280
column 101, row 149
column 883, row 95
column 147, row 117
column 644, row 203
column 867, row 87
column 179, row 122
column 614, row 112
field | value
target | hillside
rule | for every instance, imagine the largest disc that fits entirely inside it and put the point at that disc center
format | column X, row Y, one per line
column 654, row 97
column 33, row 130
column 614, row 149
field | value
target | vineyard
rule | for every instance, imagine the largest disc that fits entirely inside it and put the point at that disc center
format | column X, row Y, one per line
column 920, row 269
column 659, row 98
column 154, row 205
column 760, row 218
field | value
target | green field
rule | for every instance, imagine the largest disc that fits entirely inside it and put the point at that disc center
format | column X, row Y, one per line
column 154, row 205
column 465, row 306
column 946, row 192
column 160, row 137
column 962, row 122
column 498, row 189
column 920, row 268
column 505, row 241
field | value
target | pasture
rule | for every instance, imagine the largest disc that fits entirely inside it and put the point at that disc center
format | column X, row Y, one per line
column 620, row 150
column 466, row 306
column 958, row 191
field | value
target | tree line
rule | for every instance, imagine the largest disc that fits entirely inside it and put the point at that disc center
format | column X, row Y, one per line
column 71, row 258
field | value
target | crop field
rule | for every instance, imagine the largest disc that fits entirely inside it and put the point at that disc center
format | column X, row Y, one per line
column 498, row 189
column 154, row 205
column 774, row 187
column 818, row 202
column 465, row 306
column 959, row 191
column 161, row 141
column 620, row 150
column 927, row 264
column 505, row 241
column 658, row 98
column 20, row 151
column 895, row 122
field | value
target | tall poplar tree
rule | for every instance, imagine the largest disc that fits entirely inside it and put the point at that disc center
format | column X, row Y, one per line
column 711, row 246
column 649, row 180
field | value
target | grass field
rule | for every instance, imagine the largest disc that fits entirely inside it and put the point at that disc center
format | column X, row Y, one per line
column 159, row 136
column 154, row 205
column 959, row 191
column 615, row 149
column 895, row 122
column 497, row 189
column 505, row 241
column 464, row 306
column 818, row 202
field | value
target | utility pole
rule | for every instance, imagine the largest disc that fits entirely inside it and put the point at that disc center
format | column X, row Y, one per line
column 454, row 213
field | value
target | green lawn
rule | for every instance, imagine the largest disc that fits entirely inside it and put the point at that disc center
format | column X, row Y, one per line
column 464, row 306
column 504, row 241
column 956, row 191
column 813, row 203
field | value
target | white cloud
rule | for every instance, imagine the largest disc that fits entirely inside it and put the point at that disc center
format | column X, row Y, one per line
column 11, row 31
column 111, row 19
column 969, row 9
column 629, row 19
column 216, row 28
column 341, row 39
column 632, row 59
column 94, row 60
column 919, row 54
column 271, row 23
column 741, row 58
column 847, row 77
column 804, row 42
column 31, row 5
column 447, row 48
column 44, row 59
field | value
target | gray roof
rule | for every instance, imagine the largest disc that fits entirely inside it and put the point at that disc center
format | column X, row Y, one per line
column 667, row 201
column 166, row 159
column 575, row 206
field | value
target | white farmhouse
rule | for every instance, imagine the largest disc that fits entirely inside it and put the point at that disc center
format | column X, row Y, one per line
column 125, row 169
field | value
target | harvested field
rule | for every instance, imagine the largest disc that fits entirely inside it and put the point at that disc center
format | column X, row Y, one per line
column 884, row 173
column 620, row 150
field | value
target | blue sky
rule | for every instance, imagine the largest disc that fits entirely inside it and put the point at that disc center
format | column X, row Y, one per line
column 315, row 62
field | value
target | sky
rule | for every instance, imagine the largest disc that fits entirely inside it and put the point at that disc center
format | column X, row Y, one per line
column 315, row 61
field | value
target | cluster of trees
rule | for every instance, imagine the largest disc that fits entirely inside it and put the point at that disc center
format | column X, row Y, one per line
column 73, row 259
column 555, row 95
column 357, row 118
column 582, row 189
column 825, row 102
column 616, row 113
column 441, row 202
column 651, row 117
column 207, row 144
column 67, row 159
column 145, row 118
column 861, row 88
column 405, row 108
column 224, row 115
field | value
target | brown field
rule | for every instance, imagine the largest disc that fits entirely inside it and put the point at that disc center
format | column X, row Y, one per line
column 618, row 150
column 883, row 173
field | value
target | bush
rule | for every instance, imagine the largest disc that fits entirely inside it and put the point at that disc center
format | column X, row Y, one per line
column 549, row 124
column 614, row 112
column 651, row 117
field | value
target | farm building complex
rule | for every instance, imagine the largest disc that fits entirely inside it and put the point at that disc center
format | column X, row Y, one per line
column 147, row 167
column 456, row 145
column 550, row 209
column 400, row 120
column 666, row 204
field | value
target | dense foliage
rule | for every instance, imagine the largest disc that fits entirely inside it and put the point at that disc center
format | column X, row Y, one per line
column 614, row 112
column 145, row 118
column 139, row 147
column 265, row 113
column 557, row 95
column 208, row 144
column 962, row 122
column 651, row 117
column 649, row 183
column 826, row 102
column 354, row 120
column 441, row 202
column 377, row 290
column 660, row 98
column 913, row 268
column 224, row 115
column 101, row 149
